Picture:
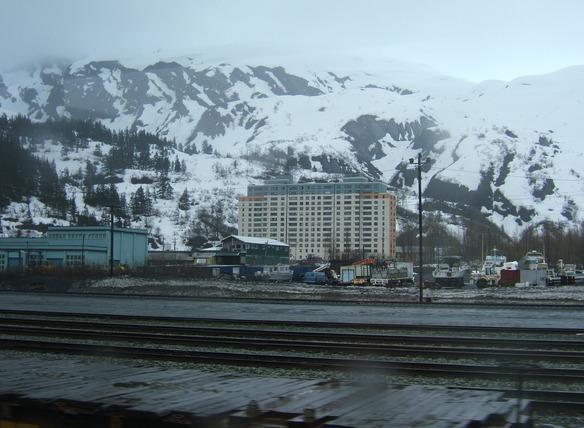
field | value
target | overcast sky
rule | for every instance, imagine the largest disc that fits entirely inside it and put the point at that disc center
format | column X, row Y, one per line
column 475, row 40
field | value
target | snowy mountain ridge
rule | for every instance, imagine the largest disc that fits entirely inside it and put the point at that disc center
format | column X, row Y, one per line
column 508, row 151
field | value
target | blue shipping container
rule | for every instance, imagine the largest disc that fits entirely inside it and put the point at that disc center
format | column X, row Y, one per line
column 315, row 278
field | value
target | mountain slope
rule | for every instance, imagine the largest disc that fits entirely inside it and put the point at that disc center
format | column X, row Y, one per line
column 507, row 151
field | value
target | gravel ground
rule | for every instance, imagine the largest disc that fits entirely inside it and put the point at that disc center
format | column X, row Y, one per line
column 263, row 290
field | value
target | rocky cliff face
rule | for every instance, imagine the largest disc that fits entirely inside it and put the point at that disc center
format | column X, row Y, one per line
column 508, row 151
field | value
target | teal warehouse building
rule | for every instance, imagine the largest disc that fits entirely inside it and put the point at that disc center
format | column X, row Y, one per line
column 69, row 247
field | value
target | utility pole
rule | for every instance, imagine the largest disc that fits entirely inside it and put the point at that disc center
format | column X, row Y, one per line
column 111, row 240
column 421, row 249
column 111, row 207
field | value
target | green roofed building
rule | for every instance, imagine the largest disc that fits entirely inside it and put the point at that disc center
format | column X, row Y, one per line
column 68, row 247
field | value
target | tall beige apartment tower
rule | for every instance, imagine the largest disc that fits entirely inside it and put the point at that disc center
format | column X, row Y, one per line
column 354, row 217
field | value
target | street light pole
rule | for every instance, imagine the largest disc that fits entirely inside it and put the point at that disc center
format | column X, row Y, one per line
column 420, row 237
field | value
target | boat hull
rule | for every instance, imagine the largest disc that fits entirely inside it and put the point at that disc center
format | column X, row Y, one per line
column 449, row 281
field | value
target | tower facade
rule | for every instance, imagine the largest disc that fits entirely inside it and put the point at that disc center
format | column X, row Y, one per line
column 330, row 220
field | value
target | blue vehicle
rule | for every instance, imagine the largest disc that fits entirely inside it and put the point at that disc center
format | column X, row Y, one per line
column 298, row 271
column 315, row 278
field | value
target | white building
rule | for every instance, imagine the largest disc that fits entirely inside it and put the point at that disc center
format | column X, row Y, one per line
column 330, row 220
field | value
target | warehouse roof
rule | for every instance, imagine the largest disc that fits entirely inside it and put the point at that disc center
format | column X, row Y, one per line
column 254, row 240
column 91, row 228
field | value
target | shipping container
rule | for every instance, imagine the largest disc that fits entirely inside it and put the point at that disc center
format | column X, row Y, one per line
column 347, row 274
column 509, row 277
column 315, row 278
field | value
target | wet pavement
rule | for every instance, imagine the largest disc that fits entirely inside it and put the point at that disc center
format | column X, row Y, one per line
column 560, row 317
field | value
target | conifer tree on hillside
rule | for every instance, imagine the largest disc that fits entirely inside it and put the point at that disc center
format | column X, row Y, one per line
column 73, row 214
column 123, row 210
column 148, row 203
column 138, row 203
column 163, row 186
column 23, row 175
column 184, row 201
column 141, row 203
column 206, row 148
column 85, row 218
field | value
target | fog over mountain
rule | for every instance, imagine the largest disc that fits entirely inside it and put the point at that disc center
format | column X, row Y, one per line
column 498, row 39
column 257, row 90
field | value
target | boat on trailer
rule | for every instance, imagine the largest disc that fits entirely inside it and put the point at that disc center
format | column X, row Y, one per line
column 490, row 272
column 451, row 271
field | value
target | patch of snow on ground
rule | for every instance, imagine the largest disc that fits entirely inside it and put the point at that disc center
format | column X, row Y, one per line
column 267, row 290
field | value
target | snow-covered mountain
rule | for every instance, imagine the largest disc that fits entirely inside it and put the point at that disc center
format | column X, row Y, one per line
column 509, row 151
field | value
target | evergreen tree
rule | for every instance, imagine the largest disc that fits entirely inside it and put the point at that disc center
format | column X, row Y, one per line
column 73, row 210
column 86, row 218
column 114, row 197
column 184, row 201
column 138, row 202
column 141, row 203
column 148, row 203
column 207, row 148
column 123, row 210
column 163, row 186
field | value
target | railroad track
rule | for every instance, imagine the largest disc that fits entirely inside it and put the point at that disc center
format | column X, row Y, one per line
column 49, row 324
column 296, row 340
column 298, row 323
column 303, row 362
